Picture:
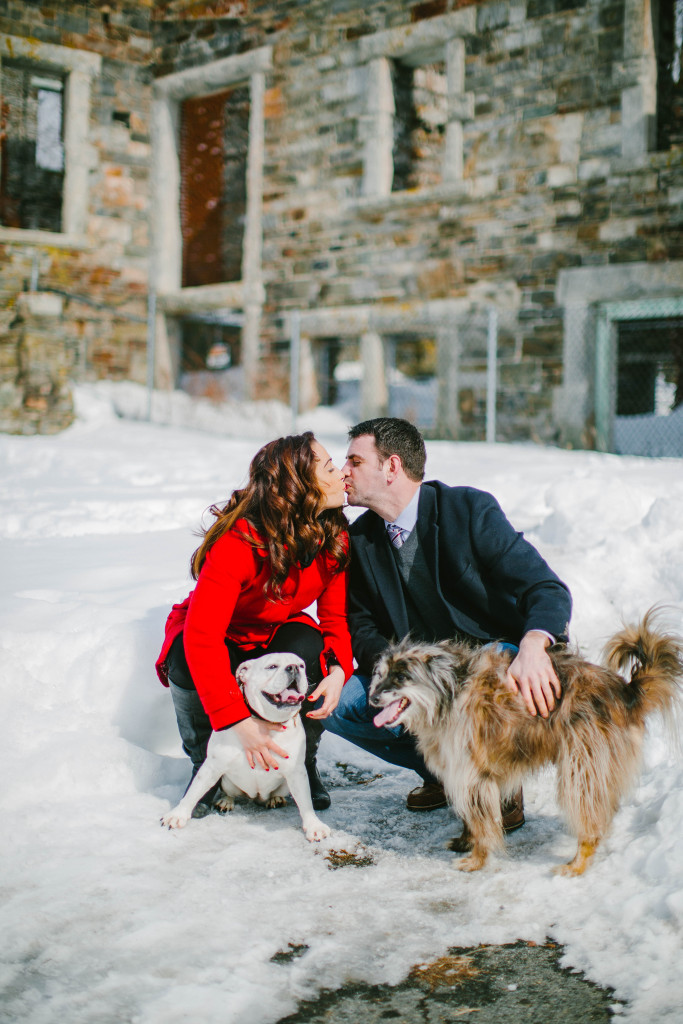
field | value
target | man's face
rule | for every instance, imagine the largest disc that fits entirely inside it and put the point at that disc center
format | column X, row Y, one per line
column 364, row 476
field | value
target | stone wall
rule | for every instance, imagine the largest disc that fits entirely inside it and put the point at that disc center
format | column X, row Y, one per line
column 550, row 171
column 99, row 273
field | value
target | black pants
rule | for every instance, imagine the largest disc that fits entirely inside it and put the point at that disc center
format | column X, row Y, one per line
column 193, row 722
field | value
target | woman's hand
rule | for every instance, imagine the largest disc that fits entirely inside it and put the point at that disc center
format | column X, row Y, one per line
column 259, row 745
column 330, row 688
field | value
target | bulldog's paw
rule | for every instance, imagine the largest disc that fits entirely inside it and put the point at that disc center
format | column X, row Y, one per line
column 224, row 803
column 174, row 819
column 276, row 801
column 315, row 830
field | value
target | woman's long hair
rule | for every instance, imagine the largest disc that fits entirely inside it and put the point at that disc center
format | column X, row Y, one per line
column 282, row 501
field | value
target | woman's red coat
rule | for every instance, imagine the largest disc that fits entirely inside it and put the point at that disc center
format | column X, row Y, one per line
column 228, row 601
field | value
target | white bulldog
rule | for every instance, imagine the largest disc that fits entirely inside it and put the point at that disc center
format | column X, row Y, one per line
column 274, row 688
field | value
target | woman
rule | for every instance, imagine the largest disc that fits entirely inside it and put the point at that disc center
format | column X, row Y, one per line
column 277, row 546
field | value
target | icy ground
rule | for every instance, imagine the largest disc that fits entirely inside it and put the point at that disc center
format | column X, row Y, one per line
column 106, row 918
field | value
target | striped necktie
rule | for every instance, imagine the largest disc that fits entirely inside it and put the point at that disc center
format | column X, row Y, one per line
column 397, row 535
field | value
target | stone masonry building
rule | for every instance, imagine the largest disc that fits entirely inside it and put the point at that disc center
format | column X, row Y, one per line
column 348, row 201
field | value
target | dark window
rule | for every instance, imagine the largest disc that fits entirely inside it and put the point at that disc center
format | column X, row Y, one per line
column 329, row 355
column 420, row 117
column 649, row 367
column 31, row 147
column 214, row 138
column 668, row 33
column 209, row 345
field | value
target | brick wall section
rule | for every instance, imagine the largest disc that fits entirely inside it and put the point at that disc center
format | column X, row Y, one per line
column 549, row 188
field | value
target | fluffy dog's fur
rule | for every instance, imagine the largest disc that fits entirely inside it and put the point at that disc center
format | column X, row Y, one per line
column 480, row 740
column 274, row 688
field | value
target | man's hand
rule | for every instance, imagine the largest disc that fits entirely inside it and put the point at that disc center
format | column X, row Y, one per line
column 259, row 746
column 330, row 688
column 532, row 674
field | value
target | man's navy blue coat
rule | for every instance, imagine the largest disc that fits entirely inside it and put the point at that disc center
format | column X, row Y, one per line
column 492, row 584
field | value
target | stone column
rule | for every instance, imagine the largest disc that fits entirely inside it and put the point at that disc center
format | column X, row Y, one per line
column 378, row 128
column 374, row 392
column 448, row 358
column 253, row 243
column 639, row 97
column 35, row 397
column 460, row 108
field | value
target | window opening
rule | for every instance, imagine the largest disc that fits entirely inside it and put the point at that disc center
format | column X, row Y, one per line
column 649, row 382
column 210, row 357
column 413, row 385
column 668, row 32
column 31, row 147
column 338, row 371
column 649, row 367
column 420, row 119
column 214, row 139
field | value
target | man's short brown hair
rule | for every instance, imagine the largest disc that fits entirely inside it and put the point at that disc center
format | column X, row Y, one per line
column 394, row 436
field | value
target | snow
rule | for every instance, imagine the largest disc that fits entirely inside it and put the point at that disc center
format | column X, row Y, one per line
column 106, row 917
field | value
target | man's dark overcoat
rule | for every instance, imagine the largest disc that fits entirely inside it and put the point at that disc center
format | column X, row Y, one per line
column 489, row 582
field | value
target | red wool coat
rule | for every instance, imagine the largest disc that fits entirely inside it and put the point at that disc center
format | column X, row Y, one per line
column 228, row 602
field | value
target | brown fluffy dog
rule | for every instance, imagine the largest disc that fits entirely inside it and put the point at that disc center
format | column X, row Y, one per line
column 480, row 740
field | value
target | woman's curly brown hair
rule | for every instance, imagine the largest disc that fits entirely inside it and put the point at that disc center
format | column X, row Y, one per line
column 282, row 501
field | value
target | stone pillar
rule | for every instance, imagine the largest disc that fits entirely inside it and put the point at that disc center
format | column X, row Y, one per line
column 460, row 108
column 448, row 358
column 639, row 97
column 253, row 242
column 309, row 396
column 35, row 365
column 374, row 392
column 378, row 129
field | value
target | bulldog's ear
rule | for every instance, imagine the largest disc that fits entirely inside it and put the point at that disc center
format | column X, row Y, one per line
column 242, row 672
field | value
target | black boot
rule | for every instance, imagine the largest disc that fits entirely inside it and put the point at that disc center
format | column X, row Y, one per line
column 319, row 795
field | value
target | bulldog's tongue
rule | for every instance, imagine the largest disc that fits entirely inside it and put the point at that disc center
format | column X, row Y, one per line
column 292, row 697
column 387, row 715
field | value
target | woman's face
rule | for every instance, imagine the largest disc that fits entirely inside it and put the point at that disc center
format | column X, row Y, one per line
column 330, row 479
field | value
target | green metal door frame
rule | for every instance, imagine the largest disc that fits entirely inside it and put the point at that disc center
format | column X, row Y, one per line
column 609, row 315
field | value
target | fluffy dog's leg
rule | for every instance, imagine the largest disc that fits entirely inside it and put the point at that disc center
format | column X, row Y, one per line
column 482, row 819
column 581, row 860
column 207, row 776
column 591, row 779
column 314, row 828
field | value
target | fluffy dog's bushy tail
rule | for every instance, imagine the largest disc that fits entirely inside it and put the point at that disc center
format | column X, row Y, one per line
column 655, row 660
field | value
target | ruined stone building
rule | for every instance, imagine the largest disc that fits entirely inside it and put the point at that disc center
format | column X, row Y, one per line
column 348, row 200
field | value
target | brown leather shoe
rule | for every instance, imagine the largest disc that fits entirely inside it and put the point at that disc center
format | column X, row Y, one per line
column 513, row 818
column 427, row 797
column 513, row 812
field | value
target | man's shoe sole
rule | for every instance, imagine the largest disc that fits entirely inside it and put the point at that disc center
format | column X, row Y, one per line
column 427, row 807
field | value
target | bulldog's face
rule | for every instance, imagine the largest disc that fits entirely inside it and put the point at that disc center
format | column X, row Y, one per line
column 274, row 685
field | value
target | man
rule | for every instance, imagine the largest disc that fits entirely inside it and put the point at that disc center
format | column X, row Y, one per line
column 438, row 562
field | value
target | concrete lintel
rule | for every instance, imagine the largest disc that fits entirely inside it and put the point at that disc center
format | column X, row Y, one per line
column 212, row 77
column 66, row 57
column 586, row 285
column 203, row 299
column 44, row 239
column 448, row 192
column 385, row 318
column 424, row 36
